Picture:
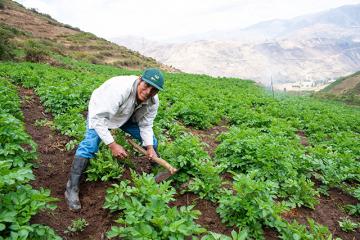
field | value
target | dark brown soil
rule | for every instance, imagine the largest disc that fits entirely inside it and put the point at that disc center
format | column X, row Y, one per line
column 209, row 136
column 328, row 213
column 209, row 218
column 303, row 139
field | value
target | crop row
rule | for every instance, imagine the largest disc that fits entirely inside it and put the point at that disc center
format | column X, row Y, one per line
column 18, row 200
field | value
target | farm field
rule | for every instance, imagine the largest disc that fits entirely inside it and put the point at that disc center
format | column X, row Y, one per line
column 253, row 166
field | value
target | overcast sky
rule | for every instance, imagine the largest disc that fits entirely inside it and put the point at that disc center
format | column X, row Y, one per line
column 164, row 19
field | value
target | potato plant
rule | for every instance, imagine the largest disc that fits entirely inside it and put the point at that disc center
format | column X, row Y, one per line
column 145, row 211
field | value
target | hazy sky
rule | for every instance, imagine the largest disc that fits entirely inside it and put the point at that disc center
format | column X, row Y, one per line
column 163, row 19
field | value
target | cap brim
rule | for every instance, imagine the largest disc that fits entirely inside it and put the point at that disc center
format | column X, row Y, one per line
column 152, row 84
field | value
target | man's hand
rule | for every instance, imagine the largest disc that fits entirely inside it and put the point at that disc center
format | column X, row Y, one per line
column 117, row 150
column 150, row 152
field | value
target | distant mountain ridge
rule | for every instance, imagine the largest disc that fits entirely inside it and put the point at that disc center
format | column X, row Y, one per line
column 316, row 47
column 347, row 16
column 344, row 17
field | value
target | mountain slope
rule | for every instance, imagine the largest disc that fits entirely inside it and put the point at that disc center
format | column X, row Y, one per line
column 345, row 85
column 39, row 32
column 315, row 48
column 345, row 17
column 315, row 60
column 345, row 89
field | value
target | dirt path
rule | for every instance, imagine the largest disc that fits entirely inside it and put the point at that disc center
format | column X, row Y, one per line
column 54, row 165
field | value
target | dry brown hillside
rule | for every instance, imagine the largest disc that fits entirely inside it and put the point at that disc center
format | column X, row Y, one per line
column 41, row 30
column 348, row 84
column 345, row 89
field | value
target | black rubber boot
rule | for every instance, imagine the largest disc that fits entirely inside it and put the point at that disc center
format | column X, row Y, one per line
column 72, row 186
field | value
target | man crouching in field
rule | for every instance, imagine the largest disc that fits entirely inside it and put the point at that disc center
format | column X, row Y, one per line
column 126, row 102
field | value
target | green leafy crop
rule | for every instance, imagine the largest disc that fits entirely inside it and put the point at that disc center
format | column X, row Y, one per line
column 250, row 207
column 145, row 211
column 347, row 225
column 104, row 167
column 18, row 200
column 77, row 225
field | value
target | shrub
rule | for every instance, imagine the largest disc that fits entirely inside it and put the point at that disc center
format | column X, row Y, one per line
column 6, row 47
column 36, row 52
column 71, row 27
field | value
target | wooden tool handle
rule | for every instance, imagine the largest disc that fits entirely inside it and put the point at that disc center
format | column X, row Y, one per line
column 160, row 161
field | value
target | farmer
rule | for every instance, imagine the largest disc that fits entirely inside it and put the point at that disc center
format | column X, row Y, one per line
column 126, row 102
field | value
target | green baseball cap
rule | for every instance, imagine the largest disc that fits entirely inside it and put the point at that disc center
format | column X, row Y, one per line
column 154, row 77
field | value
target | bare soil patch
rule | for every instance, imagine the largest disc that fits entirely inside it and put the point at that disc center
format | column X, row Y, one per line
column 208, row 136
column 328, row 212
column 209, row 217
column 30, row 22
column 303, row 139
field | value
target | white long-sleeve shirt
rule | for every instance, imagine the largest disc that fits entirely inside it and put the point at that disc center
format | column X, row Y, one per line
column 114, row 102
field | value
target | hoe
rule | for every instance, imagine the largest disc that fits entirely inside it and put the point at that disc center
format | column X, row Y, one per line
column 162, row 175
